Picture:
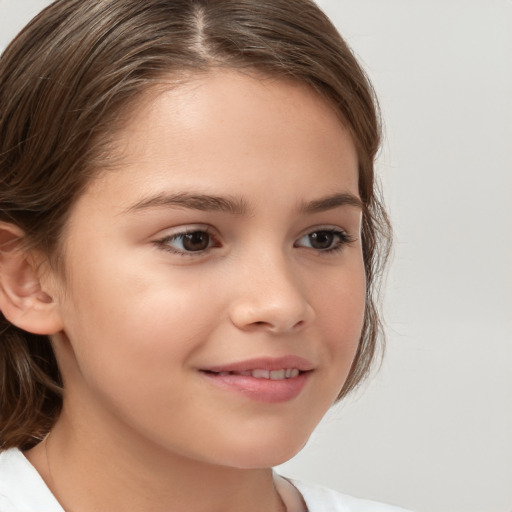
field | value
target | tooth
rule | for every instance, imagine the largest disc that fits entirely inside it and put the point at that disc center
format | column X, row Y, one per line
column 277, row 374
column 294, row 373
column 261, row 374
column 288, row 373
column 248, row 373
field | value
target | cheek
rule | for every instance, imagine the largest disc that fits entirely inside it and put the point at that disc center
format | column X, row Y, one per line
column 132, row 316
column 340, row 308
column 131, row 350
column 135, row 315
column 340, row 315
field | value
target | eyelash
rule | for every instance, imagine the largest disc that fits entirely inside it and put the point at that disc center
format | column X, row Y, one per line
column 343, row 237
column 164, row 242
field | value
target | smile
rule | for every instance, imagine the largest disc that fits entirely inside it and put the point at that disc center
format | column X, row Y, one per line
column 268, row 380
column 285, row 373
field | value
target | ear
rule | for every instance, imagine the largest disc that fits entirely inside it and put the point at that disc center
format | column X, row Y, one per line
column 23, row 300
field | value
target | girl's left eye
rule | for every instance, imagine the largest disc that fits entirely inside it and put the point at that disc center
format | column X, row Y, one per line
column 325, row 240
column 196, row 241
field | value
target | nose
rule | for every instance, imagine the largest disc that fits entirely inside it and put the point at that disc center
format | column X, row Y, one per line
column 270, row 297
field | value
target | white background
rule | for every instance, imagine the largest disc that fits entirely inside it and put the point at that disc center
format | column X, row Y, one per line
column 432, row 431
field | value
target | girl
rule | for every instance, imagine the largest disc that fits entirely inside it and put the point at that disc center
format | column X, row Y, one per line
column 189, row 241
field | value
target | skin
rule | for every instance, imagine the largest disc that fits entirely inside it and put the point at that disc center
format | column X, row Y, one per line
column 142, row 428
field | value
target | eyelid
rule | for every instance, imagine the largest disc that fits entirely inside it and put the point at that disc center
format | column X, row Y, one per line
column 345, row 238
column 162, row 243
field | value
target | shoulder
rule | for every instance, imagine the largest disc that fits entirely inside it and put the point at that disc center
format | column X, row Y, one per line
column 21, row 487
column 322, row 499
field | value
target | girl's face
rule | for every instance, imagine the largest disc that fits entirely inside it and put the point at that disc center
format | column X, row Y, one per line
column 215, row 288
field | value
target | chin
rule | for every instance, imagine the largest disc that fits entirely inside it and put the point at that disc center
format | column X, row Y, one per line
column 265, row 455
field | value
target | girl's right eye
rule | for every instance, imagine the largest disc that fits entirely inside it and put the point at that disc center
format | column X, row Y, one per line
column 188, row 243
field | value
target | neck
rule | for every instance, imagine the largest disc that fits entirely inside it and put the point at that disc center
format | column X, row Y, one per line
column 127, row 474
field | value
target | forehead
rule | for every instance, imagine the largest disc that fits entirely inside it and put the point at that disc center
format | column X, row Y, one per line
column 225, row 130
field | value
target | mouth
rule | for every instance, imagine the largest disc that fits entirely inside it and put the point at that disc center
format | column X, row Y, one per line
column 261, row 373
column 269, row 380
column 284, row 367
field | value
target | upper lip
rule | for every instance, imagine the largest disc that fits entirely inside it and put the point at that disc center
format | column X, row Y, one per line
column 264, row 363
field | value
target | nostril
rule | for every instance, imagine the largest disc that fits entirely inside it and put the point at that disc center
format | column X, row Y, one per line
column 277, row 316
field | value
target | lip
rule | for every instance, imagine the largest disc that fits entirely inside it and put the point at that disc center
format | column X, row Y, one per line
column 261, row 389
column 263, row 363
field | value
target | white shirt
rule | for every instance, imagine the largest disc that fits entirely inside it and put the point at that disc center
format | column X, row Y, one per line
column 23, row 490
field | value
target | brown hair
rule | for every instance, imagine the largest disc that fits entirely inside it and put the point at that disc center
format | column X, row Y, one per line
column 69, row 75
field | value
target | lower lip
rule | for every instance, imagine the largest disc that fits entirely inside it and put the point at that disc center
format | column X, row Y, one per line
column 261, row 390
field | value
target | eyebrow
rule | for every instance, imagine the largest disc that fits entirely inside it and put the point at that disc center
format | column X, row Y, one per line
column 330, row 202
column 205, row 202
column 201, row 202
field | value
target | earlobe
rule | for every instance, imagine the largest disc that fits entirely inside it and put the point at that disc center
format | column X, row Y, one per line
column 23, row 301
